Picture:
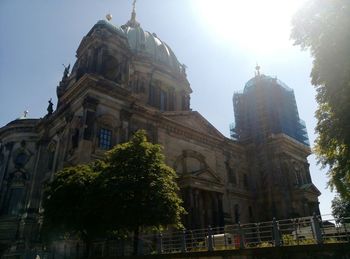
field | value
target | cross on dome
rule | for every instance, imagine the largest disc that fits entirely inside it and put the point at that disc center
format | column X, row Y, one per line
column 257, row 70
column 132, row 22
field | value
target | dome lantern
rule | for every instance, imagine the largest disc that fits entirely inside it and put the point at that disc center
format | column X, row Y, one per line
column 132, row 22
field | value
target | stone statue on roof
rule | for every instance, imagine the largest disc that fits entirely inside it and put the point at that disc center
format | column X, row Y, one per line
column 65, row 72
column 50, row 107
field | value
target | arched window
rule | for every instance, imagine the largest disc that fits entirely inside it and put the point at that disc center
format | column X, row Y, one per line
column 190, row 162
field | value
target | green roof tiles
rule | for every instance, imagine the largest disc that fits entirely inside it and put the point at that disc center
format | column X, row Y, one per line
column 144, row 42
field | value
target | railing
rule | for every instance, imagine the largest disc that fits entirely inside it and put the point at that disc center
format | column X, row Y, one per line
column 288, row 232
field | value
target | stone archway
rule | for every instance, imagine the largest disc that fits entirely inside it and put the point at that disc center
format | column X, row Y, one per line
column 200, row 190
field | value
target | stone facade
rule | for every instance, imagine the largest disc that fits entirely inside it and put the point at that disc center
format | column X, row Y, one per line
column 126, row 79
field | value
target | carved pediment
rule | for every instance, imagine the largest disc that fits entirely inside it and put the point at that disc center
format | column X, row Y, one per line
column 310, row 187
column 195, row 121
column 200, row 183
column 207, row 175
column 204, row 179
column 195, row 172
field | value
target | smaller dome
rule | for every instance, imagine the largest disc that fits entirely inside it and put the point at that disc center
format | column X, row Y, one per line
column 23, row 121
column 264, row 80
column 24, row 116
column 116, row 29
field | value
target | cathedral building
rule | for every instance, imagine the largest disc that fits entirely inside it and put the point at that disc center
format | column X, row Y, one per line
column 125, row 79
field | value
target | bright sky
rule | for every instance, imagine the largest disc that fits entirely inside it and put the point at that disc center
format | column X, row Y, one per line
column 259, row 27
column 220, row 41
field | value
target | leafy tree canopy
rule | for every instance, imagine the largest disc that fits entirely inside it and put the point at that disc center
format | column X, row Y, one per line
column 70, row 204
column 139, row 186
column 130, row 188
column 341, row 208
column 323, row 27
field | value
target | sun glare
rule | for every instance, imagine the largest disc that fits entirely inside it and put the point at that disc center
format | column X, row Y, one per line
column 260, row 26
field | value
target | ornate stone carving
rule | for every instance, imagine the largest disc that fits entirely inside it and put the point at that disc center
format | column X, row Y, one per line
column 50, row 107
column 21, row 156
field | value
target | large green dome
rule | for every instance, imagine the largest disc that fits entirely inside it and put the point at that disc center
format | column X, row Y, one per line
column 144, row 43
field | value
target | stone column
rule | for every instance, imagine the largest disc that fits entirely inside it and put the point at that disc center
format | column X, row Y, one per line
column 125, row 117
column 85, row 145
column 221, row 220
column 3, row 187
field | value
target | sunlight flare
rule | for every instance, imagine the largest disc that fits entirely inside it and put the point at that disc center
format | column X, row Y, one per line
column 254, row 25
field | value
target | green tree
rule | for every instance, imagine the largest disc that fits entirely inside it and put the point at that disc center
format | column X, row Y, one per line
column 71, row 206
column 341, row 208
column 323, row 27
column 130, row 189
column 139, row 187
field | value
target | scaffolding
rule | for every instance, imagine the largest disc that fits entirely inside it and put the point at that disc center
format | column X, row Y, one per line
column 266, row 106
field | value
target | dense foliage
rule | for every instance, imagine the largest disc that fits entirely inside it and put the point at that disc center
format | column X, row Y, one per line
column 341, row 208
column 71, row 206
column 139, row 186
column 130, row 189
column 323, row 26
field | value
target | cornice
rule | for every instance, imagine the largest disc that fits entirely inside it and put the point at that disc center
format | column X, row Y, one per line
column 19, row 126
column 101, row 85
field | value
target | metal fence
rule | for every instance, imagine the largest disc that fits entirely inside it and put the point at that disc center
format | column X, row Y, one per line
column 287, row 232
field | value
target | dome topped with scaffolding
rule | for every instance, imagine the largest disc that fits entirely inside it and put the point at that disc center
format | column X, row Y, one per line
column 267, row 106
column 264, row 80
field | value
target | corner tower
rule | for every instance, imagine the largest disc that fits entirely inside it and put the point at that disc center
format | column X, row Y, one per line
column 267, row 106
column 268, row 124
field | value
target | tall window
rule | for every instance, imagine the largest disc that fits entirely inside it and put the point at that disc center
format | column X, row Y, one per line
column 15, row 202
column 171, row 100
column 250, row 211
column 163, row 100
column 151, row 95
column 232, row 176
column 183, row 102
column 237, row 214
column 105, row 139
column 245, row 180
